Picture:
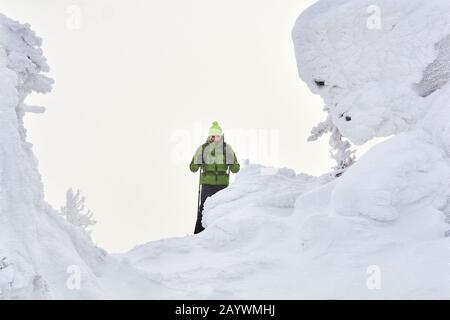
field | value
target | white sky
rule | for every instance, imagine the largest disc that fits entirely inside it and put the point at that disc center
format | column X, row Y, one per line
column 137, row 86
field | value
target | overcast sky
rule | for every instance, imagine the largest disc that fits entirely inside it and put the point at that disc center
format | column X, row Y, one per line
column 137, row 85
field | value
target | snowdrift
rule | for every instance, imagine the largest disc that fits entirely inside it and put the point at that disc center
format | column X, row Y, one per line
column 277, row 236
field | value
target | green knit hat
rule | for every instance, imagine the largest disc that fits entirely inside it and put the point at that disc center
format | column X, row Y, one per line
column 215, row 129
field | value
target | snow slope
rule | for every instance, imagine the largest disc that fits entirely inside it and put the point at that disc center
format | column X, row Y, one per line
column 377, row 231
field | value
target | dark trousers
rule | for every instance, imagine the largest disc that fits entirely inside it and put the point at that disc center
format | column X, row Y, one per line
column 207, row 191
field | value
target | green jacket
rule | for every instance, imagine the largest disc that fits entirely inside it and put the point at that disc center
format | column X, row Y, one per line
column 215, row 159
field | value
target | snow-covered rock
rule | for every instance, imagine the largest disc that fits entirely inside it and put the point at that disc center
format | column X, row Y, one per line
column 382, row 68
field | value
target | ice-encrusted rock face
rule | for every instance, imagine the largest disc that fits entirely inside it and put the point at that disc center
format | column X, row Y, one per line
column 382, row 68
column 37, row 247
column 376, row 63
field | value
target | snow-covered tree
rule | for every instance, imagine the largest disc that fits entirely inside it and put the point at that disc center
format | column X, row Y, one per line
column 340, row 149
column 74, row 211
column 21, row 53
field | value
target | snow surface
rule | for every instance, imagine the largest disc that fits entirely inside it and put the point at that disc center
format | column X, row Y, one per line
column 274, row 233
column 278, row 237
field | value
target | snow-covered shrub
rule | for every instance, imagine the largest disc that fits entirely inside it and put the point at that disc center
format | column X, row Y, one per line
column 74, row 211
column 340, row 149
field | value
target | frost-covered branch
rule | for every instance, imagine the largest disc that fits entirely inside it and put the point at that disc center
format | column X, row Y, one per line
column 341, row 152
column 321, row 129
column 32, row 109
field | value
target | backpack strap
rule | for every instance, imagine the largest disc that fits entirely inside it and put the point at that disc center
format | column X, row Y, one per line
column 224, row 153
column 225, row 158
column 203, row 152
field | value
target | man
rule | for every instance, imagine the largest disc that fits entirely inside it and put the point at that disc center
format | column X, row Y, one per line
column 216, row 159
